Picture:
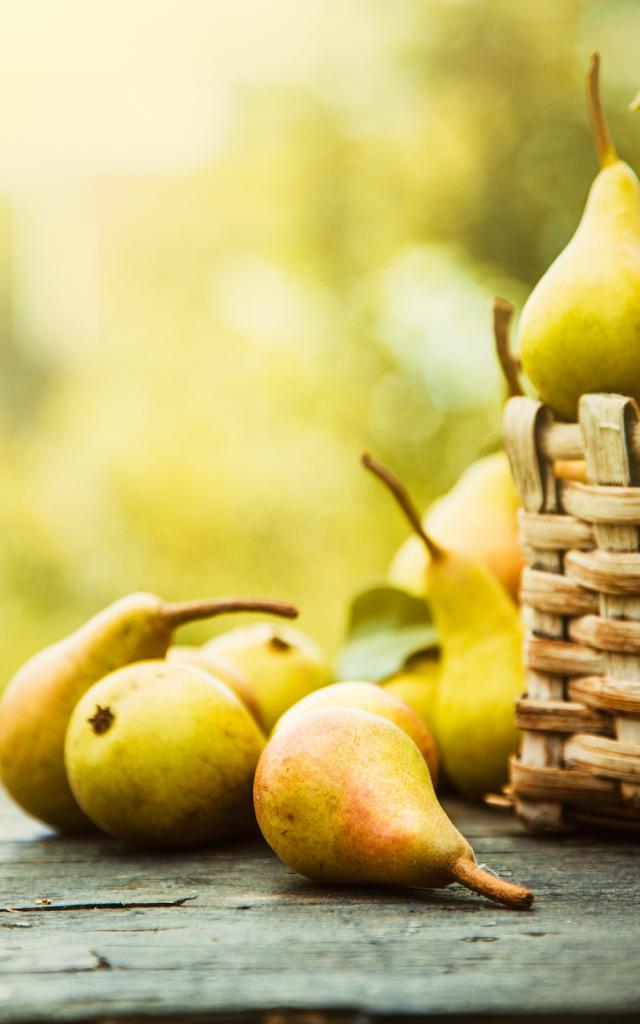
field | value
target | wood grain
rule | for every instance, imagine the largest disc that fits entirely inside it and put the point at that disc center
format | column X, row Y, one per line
column 233, row 935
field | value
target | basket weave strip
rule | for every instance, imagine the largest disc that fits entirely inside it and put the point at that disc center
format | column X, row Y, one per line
column 554, row 533
column 605, row 571
column 557, row 594
column 609, row 694
column 560, row 716
column 580, row 757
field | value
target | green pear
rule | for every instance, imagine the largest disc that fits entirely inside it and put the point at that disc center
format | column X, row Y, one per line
column 369, row 697
column 226, row 671
column 163, row 755
column 580, row 327
column 476, row 518
column 416, row 683
column 280, row 664
column 342, row 795
column 482, row 673
column 37, row 704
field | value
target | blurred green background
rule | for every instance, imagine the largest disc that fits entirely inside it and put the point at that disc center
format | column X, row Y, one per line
column 239, row 242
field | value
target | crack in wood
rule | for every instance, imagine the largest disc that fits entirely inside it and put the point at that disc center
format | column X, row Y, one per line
column 114, row 905
column 102, row 962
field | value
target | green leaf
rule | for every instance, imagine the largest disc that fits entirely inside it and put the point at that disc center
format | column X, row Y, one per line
column 386, row 626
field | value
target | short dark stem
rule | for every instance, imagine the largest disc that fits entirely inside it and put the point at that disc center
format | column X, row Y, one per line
column 189, row 611
column 468, row 873
column 400, row 493
column 502, row 314
column 604, row 146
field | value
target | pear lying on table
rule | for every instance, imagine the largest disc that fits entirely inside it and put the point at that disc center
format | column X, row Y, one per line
column 37, row 704
column 279, row 664
column 345, row 796
column 369, row 697
column 580, row 327
column 481, row 673
column 163, row 755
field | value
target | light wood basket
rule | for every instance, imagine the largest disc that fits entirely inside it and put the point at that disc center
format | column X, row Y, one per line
column 579, row 761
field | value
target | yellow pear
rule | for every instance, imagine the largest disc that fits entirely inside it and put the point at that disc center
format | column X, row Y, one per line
column 163, row 755
column 342, row 795
column 476, row 518
column 369, row 697
column 280, row 665
column 481, row 677
column 580, row 327
column 37, row 704
column 417, row 685
column 481, row 673
column 226, row 671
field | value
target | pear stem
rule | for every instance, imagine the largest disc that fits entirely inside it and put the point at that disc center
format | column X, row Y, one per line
column 400, row 493
column 189, row 611
column 604, row 146
column 502, row 313
column 468, row 873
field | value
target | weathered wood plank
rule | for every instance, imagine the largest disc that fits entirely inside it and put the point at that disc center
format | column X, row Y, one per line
column 250, row 937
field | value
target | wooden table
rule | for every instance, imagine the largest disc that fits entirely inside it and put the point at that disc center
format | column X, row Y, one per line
column 91, row 932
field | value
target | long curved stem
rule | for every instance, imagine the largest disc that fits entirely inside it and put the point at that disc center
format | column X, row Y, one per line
column 400, row 493
column 468, row 873
column 502, row 313
column 189, row 611
column 604, row 146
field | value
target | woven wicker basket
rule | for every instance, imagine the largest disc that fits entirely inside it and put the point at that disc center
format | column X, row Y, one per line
column 580, row 757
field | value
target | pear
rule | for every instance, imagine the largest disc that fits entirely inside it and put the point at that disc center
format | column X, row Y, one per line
column 416, row 683
column 369, row 697
column 477, row 518
column 571, row 470
column 280, row 664
column 342, row 795
column 163, row 755
column 482, row 672
column 226, row 671
column 580, row 327
column 37, row 704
